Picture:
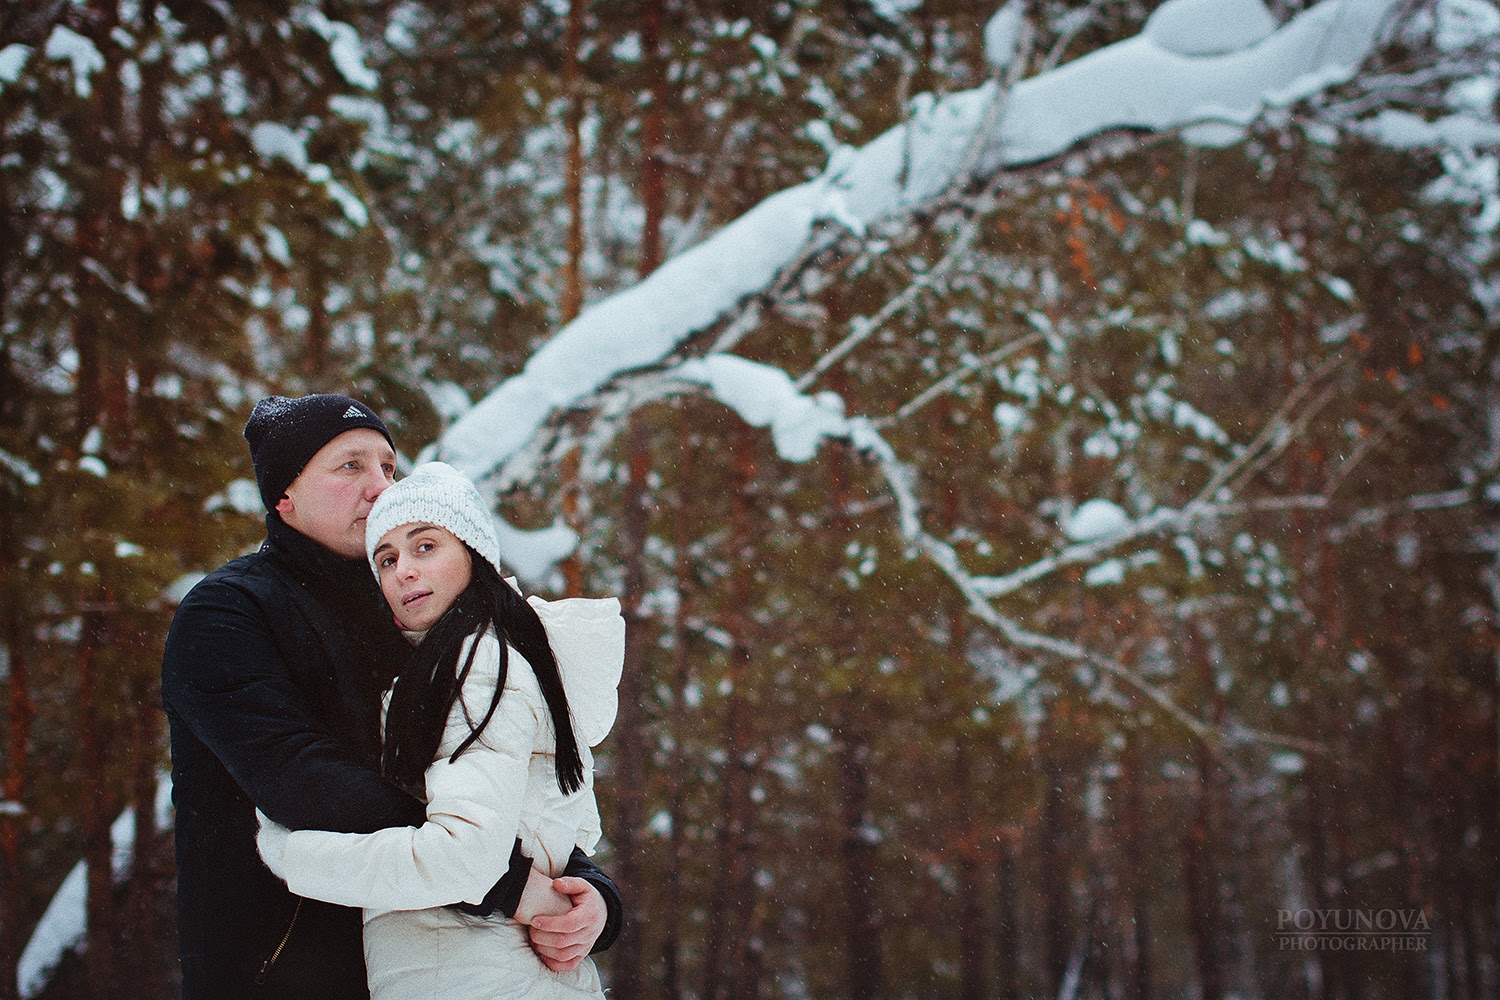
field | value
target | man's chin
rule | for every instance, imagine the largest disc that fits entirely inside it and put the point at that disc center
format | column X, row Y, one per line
column 351, row 548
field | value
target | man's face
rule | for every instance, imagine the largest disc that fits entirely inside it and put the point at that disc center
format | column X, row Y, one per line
column 331, row 497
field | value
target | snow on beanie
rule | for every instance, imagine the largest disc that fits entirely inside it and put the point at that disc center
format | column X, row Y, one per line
column 434, row 493
column 285, row 434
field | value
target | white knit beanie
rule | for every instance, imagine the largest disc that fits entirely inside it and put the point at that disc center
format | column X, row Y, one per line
column 434, row 493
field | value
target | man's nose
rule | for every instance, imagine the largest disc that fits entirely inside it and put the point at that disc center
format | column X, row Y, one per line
column 375, row 483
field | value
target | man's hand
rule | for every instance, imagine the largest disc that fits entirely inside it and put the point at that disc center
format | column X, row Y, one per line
column 563, row 941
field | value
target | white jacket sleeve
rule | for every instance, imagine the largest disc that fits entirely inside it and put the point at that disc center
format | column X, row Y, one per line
column 591, row 830
column 473, row 810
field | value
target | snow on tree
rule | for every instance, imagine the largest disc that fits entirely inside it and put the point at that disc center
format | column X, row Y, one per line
column 1148, row 385
column 1135, row 84
column 1205, row 70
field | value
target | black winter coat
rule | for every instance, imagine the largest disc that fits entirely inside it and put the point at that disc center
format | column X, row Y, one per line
column 272, row 678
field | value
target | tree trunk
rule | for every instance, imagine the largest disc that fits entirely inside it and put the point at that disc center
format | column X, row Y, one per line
column 1007, row 922
column 19, row 713
column 1492, row 813
column 96, row 809
column 857, row 848
column 316, row 336
column 571, row 303
column 1202, row 851
column 631, row 751
column 729, row 938
column 1315, row 867
column 654, row 147
column 572, row 293
column 1138, row 986
column 864, row 965
column 681, row 677
column 19, row 708
column 1055, row 891
column 141, row 959
column 970, row 908
column 89, row 340
column 963, row 814
column 1205, row 924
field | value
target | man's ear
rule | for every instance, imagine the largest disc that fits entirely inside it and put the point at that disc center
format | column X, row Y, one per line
column 284, row 506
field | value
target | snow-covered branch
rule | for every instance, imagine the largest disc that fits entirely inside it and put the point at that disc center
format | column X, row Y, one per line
column 1155, row 81
column 1204, row 70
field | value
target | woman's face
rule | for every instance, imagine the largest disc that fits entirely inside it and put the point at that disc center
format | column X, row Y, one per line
column 423, row 569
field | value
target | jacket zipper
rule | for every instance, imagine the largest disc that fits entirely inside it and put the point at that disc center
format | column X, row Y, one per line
column 260, row 977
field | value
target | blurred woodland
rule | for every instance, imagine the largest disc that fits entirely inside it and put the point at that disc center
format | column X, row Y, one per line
column 922, row 733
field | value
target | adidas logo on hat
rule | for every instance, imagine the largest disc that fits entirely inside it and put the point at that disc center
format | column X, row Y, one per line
column 353, row 411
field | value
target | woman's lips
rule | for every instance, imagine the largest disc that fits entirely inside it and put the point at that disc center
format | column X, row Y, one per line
column 414, row 598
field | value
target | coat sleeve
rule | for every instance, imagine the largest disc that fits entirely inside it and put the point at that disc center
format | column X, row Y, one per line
column 580, row 865
column 225, row 680
column 473, row 812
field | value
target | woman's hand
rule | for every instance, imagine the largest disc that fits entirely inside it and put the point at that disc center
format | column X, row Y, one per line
column 539, row 898
column 563, row 941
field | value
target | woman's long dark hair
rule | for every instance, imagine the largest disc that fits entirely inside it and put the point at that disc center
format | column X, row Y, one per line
column 432, row 681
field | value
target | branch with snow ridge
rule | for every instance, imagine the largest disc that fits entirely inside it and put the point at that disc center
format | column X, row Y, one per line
column 1134, row 84
column 635, row 345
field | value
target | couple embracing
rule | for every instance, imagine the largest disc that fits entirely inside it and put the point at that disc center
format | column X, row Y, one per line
column 380, row 750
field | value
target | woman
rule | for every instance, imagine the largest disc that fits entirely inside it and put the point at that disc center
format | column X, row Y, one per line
column 490, row 721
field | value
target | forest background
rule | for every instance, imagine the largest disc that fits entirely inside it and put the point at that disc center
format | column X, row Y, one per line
column 1151, row 613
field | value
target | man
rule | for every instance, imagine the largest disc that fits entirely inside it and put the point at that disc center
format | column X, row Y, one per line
column 272, row 678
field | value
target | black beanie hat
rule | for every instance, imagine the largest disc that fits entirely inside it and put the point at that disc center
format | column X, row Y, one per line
column 285, row 434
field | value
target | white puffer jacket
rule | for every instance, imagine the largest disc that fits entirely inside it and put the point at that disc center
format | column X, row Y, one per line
column 502, row 787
